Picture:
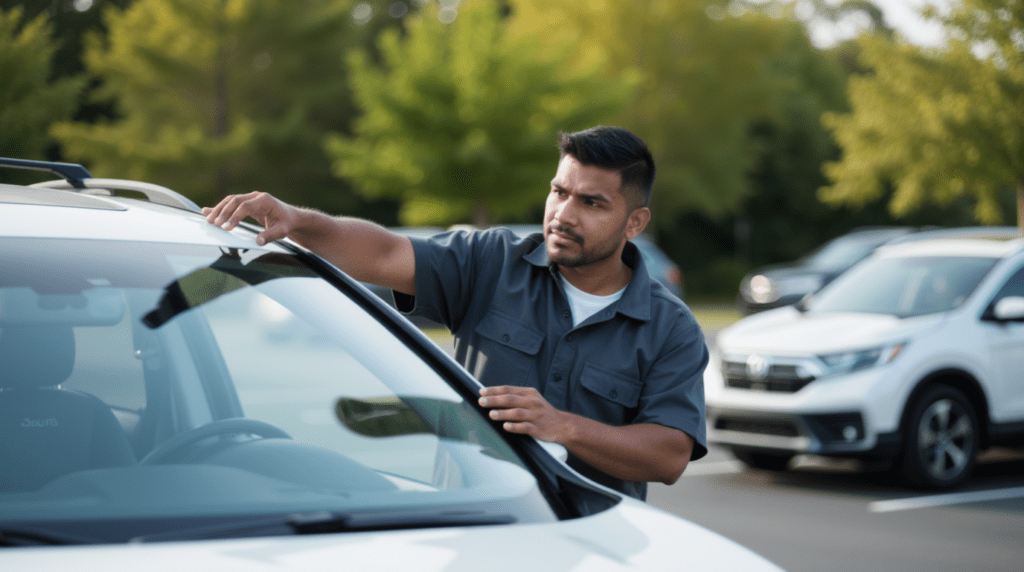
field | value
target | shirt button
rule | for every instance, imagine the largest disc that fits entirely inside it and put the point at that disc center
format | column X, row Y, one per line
column 505, row 338
column 567, row 314
column 568, row 338
column 557, row 377
column 613, row 393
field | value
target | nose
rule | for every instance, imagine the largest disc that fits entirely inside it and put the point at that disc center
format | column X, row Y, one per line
column 566, row 212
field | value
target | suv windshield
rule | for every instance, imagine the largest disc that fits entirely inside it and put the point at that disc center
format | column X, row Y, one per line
column 183, row 386
column 903, row 286
column 842, row 252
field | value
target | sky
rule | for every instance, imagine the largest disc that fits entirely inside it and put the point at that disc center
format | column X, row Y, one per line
column 903, row 15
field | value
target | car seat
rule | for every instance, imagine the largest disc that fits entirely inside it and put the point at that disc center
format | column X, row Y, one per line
column 46, row 431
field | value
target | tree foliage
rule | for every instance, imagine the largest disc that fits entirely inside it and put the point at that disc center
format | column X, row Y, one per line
column 219, row 96
column 29, row 100
column 938, row 124
column 707, row 75
column 460, row 118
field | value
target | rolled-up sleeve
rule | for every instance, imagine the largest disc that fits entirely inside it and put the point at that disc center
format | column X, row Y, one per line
column 452, row 270
column 673, row 390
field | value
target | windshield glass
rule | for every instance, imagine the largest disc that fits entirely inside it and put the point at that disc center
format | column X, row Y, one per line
column 903, row 286
column 841, row 253
column 174, row 385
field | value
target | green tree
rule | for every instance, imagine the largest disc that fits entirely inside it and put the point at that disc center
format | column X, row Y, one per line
column 219, row 96
column 29, row 100
column 71, row 20
column 707, row 74
column 936, row 125
column 460, row 118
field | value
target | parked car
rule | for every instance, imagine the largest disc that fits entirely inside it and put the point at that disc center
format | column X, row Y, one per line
column 910, row 359
column 173, row 396
column 779, row 285
column 659, row 265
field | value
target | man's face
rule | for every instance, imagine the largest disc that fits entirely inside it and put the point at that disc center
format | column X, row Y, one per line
column 585, row 218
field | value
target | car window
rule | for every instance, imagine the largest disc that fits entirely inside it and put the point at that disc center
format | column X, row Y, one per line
column 162, row 382
column 1013, row 287
column 904, row 286
column 840, row 253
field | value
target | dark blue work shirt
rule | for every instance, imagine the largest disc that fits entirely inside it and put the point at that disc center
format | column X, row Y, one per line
column 640, row 360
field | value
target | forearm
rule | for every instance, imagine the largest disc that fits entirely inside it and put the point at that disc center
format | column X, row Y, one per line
column 362, row 249
column 640, row 452
column 366, row 251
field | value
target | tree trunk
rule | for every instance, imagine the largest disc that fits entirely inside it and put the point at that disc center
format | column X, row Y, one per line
column 480, row 218
column 1020, row 207
column 220, row 94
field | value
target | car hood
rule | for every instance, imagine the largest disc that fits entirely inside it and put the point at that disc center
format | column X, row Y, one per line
column 787, row 331
column 792, row 269
column 630, row 536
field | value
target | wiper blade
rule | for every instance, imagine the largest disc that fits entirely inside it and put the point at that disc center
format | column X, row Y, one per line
column 330, row 522
column 11, row 536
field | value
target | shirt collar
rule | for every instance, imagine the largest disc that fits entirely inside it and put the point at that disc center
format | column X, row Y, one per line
column 636, row 300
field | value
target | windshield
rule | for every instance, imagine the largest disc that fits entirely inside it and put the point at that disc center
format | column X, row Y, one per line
column 842, row 252
column 177, row 386
column 904, row 286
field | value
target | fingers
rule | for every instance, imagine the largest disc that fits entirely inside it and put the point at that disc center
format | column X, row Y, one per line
column 232, row 209
column 523, row 428
column 264, row 208
column 509, row 396
column 517, row 420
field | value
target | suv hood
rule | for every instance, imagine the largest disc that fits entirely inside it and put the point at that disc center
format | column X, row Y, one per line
column 786, row 331
column 630, row 536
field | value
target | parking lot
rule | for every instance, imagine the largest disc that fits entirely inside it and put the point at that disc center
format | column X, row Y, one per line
column 830, row 516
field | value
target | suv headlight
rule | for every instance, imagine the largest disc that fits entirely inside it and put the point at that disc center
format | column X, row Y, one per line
column 847, row 362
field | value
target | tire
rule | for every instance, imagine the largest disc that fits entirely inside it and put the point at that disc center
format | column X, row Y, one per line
column 775, row 462
column 940, row 439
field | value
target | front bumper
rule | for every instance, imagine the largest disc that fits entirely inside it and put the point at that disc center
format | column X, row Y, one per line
column 832, row 434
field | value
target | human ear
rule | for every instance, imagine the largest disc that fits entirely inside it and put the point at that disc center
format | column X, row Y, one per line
column 637, row 222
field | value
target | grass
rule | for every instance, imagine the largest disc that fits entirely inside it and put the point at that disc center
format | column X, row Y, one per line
column 710, row 316
column 715, row 316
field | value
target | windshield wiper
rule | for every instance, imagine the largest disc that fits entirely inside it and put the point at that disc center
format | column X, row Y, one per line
column 330, row 522
column 11, row 536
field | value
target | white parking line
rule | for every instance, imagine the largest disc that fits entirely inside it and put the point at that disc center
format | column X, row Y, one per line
column 945, row 500
column 714, row 468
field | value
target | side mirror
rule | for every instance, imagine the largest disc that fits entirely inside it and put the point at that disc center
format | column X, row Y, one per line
column 1009, row 309
column 555, row 450
column 379, row 417
column 804, row 302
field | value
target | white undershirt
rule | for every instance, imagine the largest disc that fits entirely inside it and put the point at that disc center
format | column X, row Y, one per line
column 584, row 305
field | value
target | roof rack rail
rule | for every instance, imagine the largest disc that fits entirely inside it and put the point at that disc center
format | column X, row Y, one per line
column 77, row 177
column 70, row 172
column 155, row 193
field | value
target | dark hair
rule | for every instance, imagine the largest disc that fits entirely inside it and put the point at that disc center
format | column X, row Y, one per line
column 616, row 149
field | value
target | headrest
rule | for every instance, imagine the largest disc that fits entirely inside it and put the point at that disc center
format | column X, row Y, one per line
column 35, row 356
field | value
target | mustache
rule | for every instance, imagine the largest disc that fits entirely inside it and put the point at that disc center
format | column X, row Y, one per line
column 568, row 231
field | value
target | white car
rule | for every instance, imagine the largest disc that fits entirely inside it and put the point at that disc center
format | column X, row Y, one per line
column 911, row 359
column 174, row 397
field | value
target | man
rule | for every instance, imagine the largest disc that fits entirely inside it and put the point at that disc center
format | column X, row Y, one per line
column 575, row 342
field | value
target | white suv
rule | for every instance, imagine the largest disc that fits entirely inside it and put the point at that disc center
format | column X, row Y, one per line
column 913, row 358
column 173, row 396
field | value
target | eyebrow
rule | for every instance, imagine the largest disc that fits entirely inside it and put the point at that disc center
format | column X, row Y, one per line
column 592, row 197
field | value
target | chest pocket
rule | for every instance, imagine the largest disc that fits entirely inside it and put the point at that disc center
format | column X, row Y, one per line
column 506, row 351
column 608, row 396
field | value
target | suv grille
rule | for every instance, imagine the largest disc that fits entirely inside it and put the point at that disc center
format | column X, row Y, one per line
column 780, row 377
column 777, row 427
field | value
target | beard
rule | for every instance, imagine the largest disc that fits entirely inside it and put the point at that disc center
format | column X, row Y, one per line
column 586, row 255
